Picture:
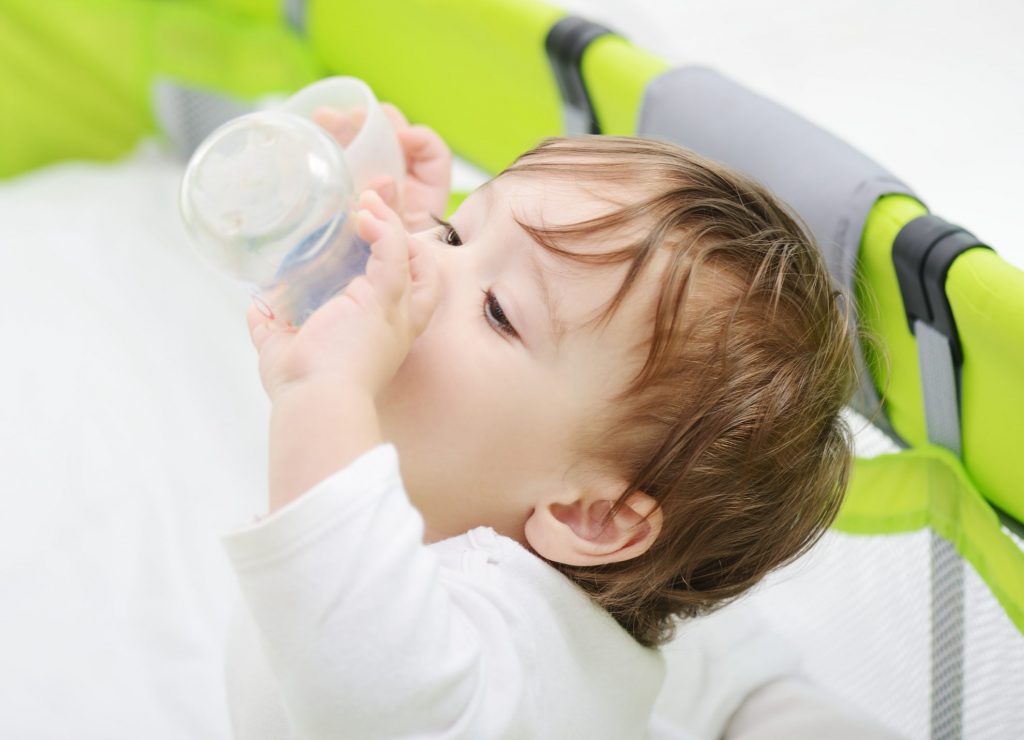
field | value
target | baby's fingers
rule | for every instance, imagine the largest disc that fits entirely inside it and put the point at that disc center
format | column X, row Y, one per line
column 428, row 157
column 342, row 125
column 388, row 266
column 387, row 190
column 395, row 116
column 372, row 201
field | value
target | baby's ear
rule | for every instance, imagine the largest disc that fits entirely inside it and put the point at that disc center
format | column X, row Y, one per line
column 567, row 529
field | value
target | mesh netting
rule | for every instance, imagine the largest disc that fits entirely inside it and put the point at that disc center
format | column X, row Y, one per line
column 993, row 665
column 859, row 610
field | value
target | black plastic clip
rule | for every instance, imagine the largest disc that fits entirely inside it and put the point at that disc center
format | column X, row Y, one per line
column 565, row 44
column 922, row 254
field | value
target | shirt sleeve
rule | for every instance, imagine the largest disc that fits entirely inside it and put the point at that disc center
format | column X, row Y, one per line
column 365, row 633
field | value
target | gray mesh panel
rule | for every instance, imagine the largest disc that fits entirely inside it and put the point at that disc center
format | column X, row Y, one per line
column 993, row 698
column 859, row 608
column 187, row 115
column 947, row 585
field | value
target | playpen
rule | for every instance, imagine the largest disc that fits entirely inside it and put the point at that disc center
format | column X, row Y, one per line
column 913, row 606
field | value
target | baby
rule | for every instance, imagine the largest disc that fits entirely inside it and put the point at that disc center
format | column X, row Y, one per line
column 603, row 397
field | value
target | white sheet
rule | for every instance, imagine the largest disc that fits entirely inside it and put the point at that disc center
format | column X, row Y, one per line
column 132, row 430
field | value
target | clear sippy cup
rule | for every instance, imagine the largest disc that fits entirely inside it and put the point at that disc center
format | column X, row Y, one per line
column 268, row 197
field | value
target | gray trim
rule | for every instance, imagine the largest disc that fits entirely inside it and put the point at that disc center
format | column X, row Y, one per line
column 940, row 387
column 575, row 121
column 826, row 182
column 295, row 13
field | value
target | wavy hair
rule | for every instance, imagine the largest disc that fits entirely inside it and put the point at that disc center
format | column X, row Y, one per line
column 733, row 421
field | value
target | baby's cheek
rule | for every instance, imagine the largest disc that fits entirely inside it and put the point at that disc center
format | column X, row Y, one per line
column 464, row 390
column 429, row 387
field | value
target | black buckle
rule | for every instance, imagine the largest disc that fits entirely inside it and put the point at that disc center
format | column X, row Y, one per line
column 922, row 254
column 565, row 44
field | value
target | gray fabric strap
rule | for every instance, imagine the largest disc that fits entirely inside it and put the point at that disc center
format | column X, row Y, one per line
column 829, row 184
column 940, row 387
column 187, row 115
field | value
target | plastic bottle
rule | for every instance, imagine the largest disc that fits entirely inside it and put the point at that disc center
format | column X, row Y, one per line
column 268, row 197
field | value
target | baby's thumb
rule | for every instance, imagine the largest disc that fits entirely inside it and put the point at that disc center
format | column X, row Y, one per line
column 426, row 284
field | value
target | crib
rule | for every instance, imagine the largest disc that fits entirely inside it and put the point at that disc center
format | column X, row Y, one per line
column 911, row 608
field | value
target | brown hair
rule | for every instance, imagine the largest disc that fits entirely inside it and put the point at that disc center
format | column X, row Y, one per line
column 733, row 422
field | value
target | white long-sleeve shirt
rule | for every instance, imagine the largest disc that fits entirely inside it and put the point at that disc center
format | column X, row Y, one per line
column 351, row 627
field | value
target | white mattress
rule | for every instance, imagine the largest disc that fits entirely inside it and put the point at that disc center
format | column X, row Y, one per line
column 132, row 430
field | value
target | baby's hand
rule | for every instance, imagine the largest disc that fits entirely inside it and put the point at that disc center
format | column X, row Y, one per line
column 359, row 338
column 428, row 164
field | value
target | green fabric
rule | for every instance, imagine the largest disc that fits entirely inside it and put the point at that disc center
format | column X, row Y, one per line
column 265, row 10
column 892, row 352
column 240, row 56
column 476, row 72
column 617, row 74
column 72, row 81
column 987, row 298
column 454, row 201
column 77, row 76
column 928, row 487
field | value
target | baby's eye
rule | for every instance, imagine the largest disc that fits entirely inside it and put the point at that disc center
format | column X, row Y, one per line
column 495, row 316
column 492, row 312
column 447, row 232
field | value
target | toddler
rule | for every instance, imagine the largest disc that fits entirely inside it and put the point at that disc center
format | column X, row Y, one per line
column 504, row 463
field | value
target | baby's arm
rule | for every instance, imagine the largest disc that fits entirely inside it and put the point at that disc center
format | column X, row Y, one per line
column 322, row 424
column 317, row 428
column 322, row 379
column 365, row 636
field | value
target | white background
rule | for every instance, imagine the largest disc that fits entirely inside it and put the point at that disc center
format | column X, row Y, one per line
column 933, row 91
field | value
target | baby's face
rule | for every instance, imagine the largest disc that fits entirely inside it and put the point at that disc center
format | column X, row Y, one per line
column 486, row 406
